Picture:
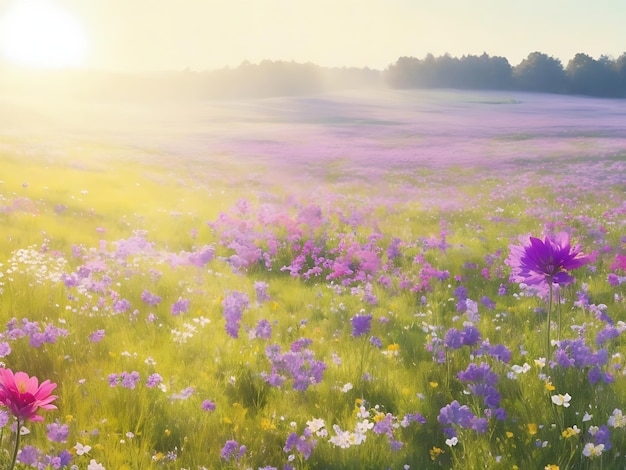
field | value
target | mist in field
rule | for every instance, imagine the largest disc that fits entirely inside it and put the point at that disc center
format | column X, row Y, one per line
column 369, row 125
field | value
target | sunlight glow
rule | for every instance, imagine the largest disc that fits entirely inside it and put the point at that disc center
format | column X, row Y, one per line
column 42, row 34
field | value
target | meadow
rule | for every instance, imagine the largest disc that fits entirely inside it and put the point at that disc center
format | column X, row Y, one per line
column 322, row 282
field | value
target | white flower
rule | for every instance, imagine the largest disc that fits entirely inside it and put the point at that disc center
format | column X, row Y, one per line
column 617, row 419
column 452, row 441
column 592, row 450
column 588, row 417
column 363, row 426
column 346, row 388
column 81, row 449
column 315, row 424
column 561, row 400
column 93, row 465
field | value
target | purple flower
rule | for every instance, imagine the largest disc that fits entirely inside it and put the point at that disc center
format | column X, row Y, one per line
column 603, row 436
column 384, row 426
column 487, row 302
column 130, row 380
column 208, row 405
column 299, row 344
column 260, row 289
column 29, row 455
column 5, row 349
column 96, row 336
column 361, row 324
column 57, row 432
column 234, row 304
column 121, row 306
column 263, row 329
column 154, row 380
column 150, row 298
column 180, row 306
column 112, row 379
column 453, row 339
column 229, row 449
column 470, row 335
column 537, row 262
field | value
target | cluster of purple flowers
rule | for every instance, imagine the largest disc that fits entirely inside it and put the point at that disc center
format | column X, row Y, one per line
column 33, row 330
column 33, row 457
column 460, row 415
column 125, row 379
column 468, row 336
column 303, row 444
column 497, row 351
column 575, row 353
column 482, row 382
column 234, row 304
column 232, row 450
column 298, row 364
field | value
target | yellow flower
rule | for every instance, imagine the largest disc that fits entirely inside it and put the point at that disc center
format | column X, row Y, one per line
column 267, row 424
column 69, row 418
column 532, row 428
column 551, row 467
column 435, row 452
column 167, row 432
column 433, row 384
column 509, row 434
column 227, row 420
column 405, row 391
column 571, row 431
column 158, row 456
column 550, row 387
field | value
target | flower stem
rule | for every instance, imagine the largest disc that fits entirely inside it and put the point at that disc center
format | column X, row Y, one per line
column 548, row 345
column 17, row 444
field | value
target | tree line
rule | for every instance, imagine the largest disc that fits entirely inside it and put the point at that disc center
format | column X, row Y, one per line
column 583, row 75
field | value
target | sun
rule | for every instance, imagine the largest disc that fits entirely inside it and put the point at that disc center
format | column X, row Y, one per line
column 42, row 34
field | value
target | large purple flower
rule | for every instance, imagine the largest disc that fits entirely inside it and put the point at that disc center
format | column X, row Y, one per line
column 538, row 262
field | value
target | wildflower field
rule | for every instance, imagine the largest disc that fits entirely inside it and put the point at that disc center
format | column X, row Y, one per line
column 401, row 279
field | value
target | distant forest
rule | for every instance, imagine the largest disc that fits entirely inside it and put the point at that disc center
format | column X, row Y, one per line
column 583, row 75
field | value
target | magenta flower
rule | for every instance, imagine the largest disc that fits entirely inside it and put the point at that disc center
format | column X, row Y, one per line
column 538, row 262
column 23, row 395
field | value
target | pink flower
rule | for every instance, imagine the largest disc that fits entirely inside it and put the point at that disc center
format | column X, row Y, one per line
column 23, row 395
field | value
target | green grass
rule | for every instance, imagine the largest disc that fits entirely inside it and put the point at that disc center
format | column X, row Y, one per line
column 68, row 200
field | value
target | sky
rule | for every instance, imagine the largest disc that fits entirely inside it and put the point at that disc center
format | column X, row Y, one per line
column 159, row 35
